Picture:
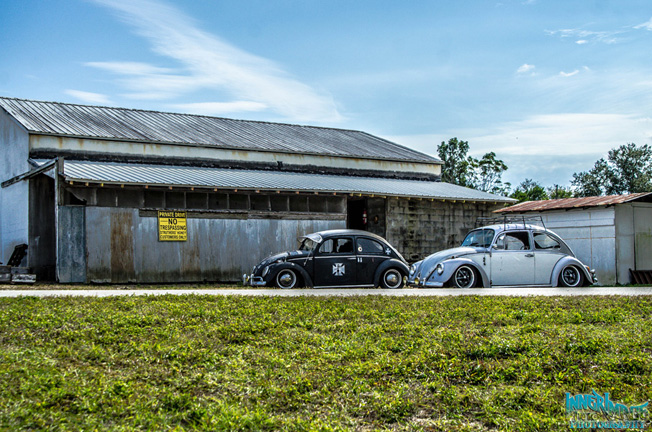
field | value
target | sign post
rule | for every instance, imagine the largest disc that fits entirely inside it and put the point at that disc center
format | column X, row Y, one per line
column 172, row 226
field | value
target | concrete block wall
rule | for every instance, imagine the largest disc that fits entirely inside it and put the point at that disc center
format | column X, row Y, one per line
column 418, row 228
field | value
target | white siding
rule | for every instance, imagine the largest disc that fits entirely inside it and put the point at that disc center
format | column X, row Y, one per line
column 591, row 234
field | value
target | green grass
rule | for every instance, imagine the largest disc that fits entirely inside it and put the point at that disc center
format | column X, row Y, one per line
column 362, row 363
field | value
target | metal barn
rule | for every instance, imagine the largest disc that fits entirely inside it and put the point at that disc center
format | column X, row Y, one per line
column 88, row 189
column 612, row 234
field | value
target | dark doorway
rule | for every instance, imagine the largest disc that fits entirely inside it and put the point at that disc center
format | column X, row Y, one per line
column 357, row 217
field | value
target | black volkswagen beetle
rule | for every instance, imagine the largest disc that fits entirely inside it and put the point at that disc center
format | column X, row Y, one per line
column 333, row 258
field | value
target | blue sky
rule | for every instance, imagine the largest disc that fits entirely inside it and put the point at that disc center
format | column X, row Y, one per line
column 549, row 86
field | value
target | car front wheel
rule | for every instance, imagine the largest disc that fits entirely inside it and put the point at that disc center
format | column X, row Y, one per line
column 570, row 277
column 286, row 279
column 464, row 277
column 392, row 279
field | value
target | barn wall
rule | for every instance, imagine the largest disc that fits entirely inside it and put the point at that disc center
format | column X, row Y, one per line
column 122, row 245
column 418, row 228
column 14, row 199
column 591, row 234
column 634, row 238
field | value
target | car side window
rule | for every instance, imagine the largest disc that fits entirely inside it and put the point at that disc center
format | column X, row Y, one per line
column 545, row 241
column 369, row 246
column 337, row 246
column 516, row 240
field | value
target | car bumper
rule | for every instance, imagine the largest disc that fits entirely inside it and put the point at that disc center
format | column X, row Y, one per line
column 424, row 284
column 251, row 280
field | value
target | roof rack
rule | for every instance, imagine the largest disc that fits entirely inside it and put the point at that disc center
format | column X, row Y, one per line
column 512, row 219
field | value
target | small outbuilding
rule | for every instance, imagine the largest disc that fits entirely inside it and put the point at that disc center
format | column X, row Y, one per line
column 113, row 195
column 612, row 234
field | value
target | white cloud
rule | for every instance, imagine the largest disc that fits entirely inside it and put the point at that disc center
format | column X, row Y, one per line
column 89, row 97
column 548, row 148
column 220, row 108
column 208, row 62
column 569, row 74
column 525, row 68
column 646, row 25
column 587, row 36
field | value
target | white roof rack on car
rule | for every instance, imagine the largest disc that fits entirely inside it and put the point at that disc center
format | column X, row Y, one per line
column 510, row 220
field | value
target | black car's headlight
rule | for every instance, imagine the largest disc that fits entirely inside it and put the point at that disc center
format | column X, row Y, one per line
column 265, row 271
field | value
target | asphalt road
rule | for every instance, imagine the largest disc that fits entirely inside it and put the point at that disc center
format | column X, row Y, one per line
column 343, row 292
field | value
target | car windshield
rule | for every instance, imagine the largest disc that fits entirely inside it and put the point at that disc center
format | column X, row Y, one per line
column 479, row 238
column 308, row 245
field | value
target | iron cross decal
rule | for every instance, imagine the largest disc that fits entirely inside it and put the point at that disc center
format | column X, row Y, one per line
column 338, row 269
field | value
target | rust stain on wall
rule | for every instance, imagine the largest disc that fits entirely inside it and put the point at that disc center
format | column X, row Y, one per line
column 122, row 253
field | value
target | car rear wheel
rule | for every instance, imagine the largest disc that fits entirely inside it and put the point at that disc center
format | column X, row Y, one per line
column 286, row 279
column 392, row 279
column 464, row 277
column 570, row 276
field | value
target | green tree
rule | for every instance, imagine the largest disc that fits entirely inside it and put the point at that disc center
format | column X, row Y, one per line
column 628, row 169
column 486, row 174
column 460, row 169
column 529, row 190
column 456, row 167
column 557, row 191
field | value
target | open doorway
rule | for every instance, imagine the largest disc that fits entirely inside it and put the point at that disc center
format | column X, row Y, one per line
column 367, row 214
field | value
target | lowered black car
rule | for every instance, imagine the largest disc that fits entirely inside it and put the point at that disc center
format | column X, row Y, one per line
column 332, row 259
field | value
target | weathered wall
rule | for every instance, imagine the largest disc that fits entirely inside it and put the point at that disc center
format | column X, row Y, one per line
column 591, row 234
column 417, row 228
column 122, row 245
column 14, row 204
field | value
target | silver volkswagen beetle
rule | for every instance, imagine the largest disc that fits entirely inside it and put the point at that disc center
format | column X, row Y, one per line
column 506, row 254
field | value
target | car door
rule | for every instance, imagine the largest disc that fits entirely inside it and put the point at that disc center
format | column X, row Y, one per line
column 370, row 254
column 547, row 251
column 512, row 259
column 335, row 262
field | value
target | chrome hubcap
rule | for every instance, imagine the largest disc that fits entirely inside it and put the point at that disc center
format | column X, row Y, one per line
column 286, row 279
column 391, row 279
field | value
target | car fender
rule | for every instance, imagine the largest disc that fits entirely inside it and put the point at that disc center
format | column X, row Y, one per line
column 556, row 271
column 387, row 264
column 275, row 268
column 453, row 264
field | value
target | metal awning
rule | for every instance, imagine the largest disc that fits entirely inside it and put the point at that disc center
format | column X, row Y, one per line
column 259, row 180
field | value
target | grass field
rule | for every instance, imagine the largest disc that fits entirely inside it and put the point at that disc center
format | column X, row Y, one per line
column 360, row 363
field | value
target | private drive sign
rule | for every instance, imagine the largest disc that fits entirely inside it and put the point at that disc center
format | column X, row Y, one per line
column 172, row 226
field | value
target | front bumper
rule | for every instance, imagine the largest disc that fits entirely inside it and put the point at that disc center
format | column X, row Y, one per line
column 424, row 283
column 251, row 280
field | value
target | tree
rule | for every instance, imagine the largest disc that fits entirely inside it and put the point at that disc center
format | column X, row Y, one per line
column 529, row 190
column 628, row 169
column 456, row 167
column 556, row 192
column 484, row 174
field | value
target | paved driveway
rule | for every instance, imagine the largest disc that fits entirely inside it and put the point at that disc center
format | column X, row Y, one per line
column 344, row 292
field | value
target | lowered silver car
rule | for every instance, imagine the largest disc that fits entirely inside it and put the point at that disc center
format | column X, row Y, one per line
column 506, row 254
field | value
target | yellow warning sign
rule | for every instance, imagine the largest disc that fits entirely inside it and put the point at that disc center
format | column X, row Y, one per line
column 172, row 226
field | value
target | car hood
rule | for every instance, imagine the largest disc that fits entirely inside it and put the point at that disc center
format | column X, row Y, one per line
column 440, row 256
column 283, row 256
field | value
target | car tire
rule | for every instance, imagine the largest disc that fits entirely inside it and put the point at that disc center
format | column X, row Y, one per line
column 391, row 279
column 571, row 276
column 464, row 277
column 286, row 279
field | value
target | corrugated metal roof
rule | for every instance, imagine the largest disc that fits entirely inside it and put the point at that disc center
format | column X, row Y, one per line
column 63, row 119
column 570, row 203
column 184, row 176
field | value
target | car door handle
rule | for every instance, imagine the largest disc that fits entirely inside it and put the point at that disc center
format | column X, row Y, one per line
column 529, row 255
column 352, row 258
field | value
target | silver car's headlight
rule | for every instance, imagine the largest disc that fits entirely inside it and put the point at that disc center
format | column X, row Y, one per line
column 265, row 271
column 440, row 268
column 413, row 268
